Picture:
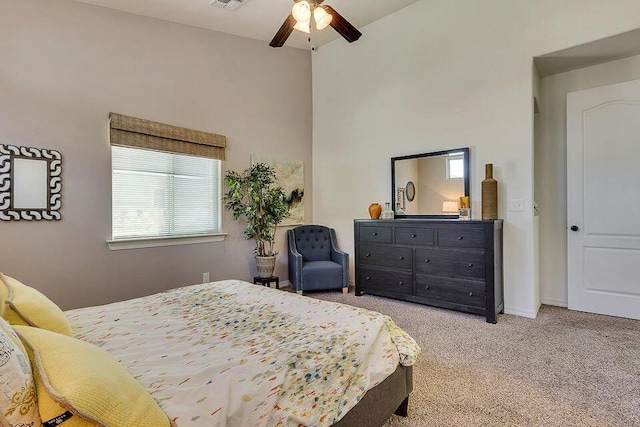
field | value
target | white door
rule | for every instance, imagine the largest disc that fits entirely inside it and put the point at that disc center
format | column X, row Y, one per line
column 603, row 199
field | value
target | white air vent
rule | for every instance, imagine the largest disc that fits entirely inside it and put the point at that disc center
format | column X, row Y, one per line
column 231, row 5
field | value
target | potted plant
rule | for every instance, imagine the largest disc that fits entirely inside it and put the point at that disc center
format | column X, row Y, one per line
column 252, row 194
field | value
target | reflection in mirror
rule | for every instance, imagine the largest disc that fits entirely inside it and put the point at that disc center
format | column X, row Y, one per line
column 438, row 179
column 30, row 184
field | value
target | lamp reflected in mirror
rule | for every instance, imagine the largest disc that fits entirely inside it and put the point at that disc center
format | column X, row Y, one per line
column 450, row 208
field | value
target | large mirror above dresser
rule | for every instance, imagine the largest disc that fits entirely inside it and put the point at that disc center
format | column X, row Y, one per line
column 429, row 185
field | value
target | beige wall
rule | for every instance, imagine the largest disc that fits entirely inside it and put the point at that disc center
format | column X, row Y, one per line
column 64, row 66
column 407, row 170
column 437, row 75
column 551, row 165
column 434, row 187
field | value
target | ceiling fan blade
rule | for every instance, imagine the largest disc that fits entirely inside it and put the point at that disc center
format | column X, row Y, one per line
column 284, row 32
column 342, row 26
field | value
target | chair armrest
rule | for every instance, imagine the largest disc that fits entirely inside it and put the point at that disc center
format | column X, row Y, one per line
column 295, row 263
column 340, row 257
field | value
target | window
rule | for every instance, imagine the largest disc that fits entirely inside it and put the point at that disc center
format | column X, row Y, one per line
column 455, row 166
column 158, row 194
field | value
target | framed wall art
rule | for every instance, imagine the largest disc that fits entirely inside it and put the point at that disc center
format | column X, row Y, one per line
column 30, row 184
column 290, row 176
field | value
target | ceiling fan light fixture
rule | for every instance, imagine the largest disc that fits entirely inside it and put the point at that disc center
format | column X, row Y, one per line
column 305, row 27
column 302, row 11
column 322, row 18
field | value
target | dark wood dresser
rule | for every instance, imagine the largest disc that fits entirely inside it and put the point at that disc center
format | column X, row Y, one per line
column 445, row 263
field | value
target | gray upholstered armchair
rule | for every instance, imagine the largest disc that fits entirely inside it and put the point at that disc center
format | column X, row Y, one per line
column 315, row 262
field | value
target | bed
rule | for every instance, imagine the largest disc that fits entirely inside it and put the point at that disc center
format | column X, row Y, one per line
column 232, row 353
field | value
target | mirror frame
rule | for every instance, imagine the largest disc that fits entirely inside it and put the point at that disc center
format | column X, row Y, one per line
column 433, row 154
column 8, row 211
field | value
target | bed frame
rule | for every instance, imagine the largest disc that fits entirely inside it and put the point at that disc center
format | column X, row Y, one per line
column 387, row 398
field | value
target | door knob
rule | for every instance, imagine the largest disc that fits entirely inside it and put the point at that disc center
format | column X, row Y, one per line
column 574, row 228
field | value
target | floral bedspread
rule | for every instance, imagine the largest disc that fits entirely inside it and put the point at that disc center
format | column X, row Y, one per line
column 232, row 353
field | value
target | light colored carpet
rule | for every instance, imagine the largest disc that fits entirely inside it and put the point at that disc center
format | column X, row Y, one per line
column 564, row 368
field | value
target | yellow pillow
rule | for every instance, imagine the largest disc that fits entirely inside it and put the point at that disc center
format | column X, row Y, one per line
column 84, row 385
column 27, row 306
column 17, row 390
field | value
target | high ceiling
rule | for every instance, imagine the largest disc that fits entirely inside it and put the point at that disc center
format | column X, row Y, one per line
column 257, row 19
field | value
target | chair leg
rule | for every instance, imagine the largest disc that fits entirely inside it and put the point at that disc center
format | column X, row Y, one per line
column 345, row 291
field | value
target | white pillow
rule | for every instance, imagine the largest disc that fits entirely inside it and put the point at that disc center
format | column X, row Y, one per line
column 17, row 389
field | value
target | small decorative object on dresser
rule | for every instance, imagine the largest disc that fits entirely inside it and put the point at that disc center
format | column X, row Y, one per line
column 387, row 213
column 375, row 210
column 446, row 263
column 489, row 194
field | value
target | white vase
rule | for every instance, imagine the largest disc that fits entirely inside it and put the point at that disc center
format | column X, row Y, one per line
column 265, row 265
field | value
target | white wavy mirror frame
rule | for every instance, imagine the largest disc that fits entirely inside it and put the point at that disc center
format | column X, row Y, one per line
column 30, row 184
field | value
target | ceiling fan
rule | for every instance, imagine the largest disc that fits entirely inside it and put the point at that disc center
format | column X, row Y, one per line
column 300, row 19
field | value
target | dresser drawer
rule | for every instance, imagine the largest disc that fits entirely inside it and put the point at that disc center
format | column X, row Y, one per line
column 461, row 237
column 384, row 281
column 415, row 236
column 386, row 256
column 379, row 234
column 451, row 290
column 450, row 263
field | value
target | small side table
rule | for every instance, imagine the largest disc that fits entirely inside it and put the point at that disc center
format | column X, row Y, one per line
column 266, row 281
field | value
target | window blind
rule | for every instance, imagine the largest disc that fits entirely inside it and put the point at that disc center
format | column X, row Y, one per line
column 126, row 131
column 158, row 194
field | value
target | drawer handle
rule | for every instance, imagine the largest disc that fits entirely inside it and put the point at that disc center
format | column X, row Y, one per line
column 427, row 260
column 470, row 264
column 460, row 237
column 368, row 278
column 374, row 233
column 470, row 294
column 400, row 257
column 427, row 287
column 401, row 283
column 413, row 236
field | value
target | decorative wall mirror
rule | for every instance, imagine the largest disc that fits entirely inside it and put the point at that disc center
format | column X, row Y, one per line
column 30, row 183
column 432, row 182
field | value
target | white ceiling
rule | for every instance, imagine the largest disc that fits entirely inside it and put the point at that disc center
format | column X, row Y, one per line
column 258, row 19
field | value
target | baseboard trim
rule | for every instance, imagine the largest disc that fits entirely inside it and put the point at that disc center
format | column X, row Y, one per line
column 285, row 283
column 531, row 314
column 556, row 302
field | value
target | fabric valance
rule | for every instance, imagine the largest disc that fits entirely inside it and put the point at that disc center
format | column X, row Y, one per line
column 139, row 133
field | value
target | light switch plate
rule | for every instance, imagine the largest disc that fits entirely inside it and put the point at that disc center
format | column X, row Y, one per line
column 516, row 205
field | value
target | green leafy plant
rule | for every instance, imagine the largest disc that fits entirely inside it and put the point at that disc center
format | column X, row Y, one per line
column 252, row 194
